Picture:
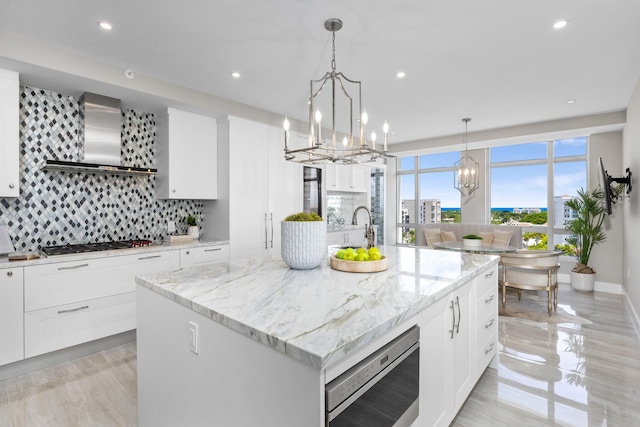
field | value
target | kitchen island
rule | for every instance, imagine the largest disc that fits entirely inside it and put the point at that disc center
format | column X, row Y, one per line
column 254, row 343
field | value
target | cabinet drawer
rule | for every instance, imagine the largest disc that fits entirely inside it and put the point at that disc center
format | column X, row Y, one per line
column 485, row 354
column 485, row 331
column 54, row 328
column 51, row 285
column 487, row 280
column 203, row 255
column 487, row 304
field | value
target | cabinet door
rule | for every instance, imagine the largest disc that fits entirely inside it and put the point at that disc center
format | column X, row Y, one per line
column 360, row 178
column 188, row 153
column 11, row 315
column 463, row 346
column 285, row 194
column 9, row 134
column 248, row 188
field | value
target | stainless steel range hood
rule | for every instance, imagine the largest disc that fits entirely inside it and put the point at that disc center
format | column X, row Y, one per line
column 100, row 139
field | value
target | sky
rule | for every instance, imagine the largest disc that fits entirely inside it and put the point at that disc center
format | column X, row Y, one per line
column 511, row 186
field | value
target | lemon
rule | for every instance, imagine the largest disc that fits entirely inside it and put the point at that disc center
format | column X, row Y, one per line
column 375, row 256
column 340, row 254
column 361, row 250
column 373, row 249
column 349, row 256
column 362, row 256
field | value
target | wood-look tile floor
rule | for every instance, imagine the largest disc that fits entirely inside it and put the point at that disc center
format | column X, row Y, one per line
column 548, row 374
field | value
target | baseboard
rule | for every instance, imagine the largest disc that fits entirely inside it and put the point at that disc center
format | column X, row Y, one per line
column 49, row 359
column 635, row 320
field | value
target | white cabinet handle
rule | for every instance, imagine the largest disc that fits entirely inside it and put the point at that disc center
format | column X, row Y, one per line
column 11, row 186
column 266, row 237
column 490, row 324
column 490, row 349
column 73, row 267
column 149, row 257
column 71, row 310
column 459, row 315
column 486, row 276
column 271, row 230
column 212, row 250
column 488, row 300
column 9, row 273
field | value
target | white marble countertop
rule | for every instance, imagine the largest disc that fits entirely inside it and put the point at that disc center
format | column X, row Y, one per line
column 5, row 263
column 322, row 315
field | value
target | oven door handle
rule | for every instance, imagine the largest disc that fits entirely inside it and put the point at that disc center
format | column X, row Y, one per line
column 355, row 396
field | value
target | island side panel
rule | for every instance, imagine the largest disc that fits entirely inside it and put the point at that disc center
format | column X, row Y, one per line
column 232, row 381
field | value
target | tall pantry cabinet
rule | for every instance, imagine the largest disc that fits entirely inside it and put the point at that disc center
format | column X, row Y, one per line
column 263, row 188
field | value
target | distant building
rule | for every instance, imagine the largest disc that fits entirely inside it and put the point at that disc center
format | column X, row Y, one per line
column 429, row 211
column 526, row 210
column 561, row 212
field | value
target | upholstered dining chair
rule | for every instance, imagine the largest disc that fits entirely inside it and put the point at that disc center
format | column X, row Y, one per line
column 531, row 271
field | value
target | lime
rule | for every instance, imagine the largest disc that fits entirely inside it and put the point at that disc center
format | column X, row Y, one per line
column 349, row 256
column 375, row 256
column 340, row 254
column 361, row 250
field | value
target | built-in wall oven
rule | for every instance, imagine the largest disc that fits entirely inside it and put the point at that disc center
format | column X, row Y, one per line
column 380, row 391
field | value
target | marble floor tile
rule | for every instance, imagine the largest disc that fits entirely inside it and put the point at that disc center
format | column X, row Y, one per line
column 548, row 374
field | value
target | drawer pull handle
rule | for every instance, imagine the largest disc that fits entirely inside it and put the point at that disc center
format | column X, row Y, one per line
column 490, row 349
column 486, row 276
column 73, row 267
column 71, row 310
column 490, row 324
column 149, row 257
column 9, row 273
column 488, row 300
column 213, row 250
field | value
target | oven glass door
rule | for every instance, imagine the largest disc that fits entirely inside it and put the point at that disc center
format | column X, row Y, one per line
column 391, row 402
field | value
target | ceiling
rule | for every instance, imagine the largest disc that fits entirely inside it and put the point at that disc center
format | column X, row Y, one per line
column 500, row 62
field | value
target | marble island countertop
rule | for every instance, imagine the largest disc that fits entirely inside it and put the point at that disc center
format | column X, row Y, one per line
column 322, row 315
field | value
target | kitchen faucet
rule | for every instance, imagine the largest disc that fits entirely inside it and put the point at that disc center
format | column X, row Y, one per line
column 369, row 233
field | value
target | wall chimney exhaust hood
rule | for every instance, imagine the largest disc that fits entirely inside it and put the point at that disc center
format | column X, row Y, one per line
column 100, row 139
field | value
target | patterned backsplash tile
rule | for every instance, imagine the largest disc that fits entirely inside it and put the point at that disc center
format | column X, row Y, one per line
column 56, row 207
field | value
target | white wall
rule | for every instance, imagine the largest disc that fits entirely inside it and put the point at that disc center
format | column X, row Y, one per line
column 631, row 159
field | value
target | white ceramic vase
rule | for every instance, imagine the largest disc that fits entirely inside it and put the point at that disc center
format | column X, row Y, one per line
column 193, row 231
column 304, row 243
column 583, row 282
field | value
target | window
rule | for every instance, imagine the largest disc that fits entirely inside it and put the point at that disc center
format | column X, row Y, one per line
column 425, row 186
column 530, row 183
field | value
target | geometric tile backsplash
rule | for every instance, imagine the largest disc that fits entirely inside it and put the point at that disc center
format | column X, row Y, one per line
column 56, row 208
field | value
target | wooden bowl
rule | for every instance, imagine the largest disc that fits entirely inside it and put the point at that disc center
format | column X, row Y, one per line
column 358, row 266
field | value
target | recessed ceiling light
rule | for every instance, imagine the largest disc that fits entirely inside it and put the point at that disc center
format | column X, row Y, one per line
column 560, row 24
column 400, row 74
column 105, row 25
column 235, row 75
column 571, row 101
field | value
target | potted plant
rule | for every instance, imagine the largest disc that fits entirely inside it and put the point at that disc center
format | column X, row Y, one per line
column 472, row 240
column 192, row 227
column 304, row 240
column 587, row 228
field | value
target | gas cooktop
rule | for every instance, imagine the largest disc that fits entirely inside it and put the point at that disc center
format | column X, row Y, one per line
column 94, row 247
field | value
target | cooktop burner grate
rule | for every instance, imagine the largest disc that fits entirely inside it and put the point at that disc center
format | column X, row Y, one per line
column 94, row 247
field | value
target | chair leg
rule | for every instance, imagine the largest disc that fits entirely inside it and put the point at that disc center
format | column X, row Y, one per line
column 549, row 296
column 504, row 295
column 555, row 298
column 519, row 294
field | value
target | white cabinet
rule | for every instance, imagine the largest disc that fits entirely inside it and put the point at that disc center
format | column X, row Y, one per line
column 72, row 302
column 9, row 134
column 187, row 156
column 447, row 373
column 353, row 178
column 203, row 255
column 11, row 316
column 263, row 188
column 486, row 320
